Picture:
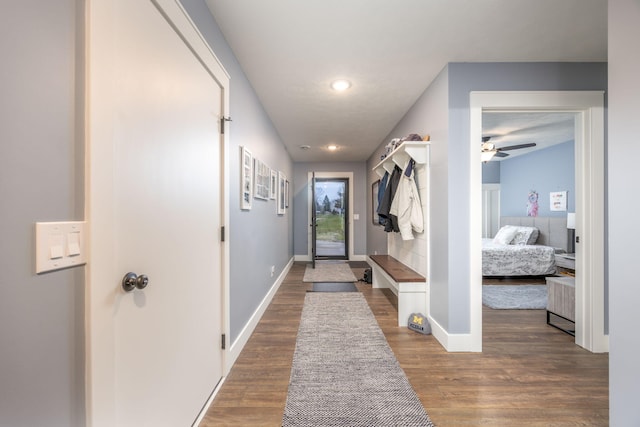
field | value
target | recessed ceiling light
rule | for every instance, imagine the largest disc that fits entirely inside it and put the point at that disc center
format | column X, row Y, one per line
column 341, row 85
column 305, row 147
column 332, row 147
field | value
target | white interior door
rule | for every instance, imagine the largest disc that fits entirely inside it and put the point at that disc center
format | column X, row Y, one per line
column 155, row 208
column 490, row 210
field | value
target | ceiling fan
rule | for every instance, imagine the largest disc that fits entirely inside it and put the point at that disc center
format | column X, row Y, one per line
column 489, row 149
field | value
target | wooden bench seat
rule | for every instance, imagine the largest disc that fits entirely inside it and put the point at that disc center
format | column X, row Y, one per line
column 409, row 286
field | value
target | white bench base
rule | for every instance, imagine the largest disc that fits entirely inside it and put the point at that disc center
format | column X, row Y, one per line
column 412, row 296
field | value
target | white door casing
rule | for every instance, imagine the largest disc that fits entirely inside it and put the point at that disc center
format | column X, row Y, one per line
column 589, row 136
column 156, row 198
column 349, row 176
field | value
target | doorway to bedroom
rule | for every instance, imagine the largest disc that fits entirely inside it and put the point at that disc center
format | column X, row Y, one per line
column 588, row 170
column 534, row 156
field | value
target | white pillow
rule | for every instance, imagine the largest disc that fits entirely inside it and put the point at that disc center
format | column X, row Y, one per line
column 525, row 236
column 505, row 235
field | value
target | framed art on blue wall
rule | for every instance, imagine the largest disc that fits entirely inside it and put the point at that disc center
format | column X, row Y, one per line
column 246, row 179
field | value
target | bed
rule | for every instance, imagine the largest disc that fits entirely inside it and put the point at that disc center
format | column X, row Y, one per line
column 524, row 246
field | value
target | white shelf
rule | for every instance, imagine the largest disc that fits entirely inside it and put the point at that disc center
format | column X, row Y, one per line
column 416, row 150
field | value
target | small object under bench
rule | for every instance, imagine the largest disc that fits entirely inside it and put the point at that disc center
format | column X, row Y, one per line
column 409, row 286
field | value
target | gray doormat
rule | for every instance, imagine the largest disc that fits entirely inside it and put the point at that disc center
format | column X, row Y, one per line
column 329, row 271
column 334, row 287
column 344, row 372
column 515, row 297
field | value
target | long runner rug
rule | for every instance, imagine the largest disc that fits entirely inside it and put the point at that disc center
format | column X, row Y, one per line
column 344, row 373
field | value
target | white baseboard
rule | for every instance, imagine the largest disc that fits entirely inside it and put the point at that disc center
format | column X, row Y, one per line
column 206, row 406
column 241, row 341
column 453, row 342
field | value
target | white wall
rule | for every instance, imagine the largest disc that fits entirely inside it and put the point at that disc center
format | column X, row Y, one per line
column 624, row 152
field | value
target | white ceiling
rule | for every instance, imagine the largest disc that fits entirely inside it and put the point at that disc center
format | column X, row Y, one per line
column 391, row 51
column 513, row 128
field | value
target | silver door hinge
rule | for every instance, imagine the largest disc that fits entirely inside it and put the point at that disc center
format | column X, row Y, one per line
column 224, row 342
column 222, row 233
column 222, row 120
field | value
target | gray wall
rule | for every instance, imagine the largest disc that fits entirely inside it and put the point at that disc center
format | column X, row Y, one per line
column 624, row 152
column 547, row 170
column 258, row 238
column 301, row 203
column 449, row 170
column 41, row 174
column 467, row 77
column 428, row 116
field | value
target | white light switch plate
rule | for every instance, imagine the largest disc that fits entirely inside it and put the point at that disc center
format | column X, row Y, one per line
column 60, row 245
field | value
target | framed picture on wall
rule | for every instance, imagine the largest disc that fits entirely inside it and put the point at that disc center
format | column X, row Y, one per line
column 286, row 194
column 282, row 179
column 246, row 178
column 273, row 187
column 374, row 202
column 262, row 179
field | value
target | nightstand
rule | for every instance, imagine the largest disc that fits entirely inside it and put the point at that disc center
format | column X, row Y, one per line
column 566, row 263
column 561, row 301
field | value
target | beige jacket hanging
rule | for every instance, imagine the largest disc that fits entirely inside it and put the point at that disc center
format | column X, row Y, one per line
column 406, row 206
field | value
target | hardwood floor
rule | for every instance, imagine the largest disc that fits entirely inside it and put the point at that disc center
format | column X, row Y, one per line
column 529, row 374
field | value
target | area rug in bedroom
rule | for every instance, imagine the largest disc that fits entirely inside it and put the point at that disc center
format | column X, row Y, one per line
column 344, row 373
column 329, row 271
column 515, row 297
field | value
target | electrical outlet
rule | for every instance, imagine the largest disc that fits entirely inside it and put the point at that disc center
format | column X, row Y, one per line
column 375, row 252
column 273, row 270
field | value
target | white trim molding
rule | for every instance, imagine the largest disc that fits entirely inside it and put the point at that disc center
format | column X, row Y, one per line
column 348, row 175
column 588, row 107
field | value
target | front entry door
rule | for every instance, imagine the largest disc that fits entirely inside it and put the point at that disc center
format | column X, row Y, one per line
column 331, row 230
column 314, row 220
column 154, row 179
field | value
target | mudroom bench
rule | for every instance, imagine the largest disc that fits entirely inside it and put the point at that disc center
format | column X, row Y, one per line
column 409, row 286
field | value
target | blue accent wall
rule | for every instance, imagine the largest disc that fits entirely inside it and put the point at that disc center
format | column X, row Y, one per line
column 545, row 171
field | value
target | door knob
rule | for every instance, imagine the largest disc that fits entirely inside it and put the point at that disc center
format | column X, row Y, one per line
column 130, row 281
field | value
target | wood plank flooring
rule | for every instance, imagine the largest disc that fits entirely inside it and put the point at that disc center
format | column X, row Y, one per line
column 529, row 373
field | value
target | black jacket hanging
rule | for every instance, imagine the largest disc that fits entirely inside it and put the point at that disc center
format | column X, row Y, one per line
column 383, row 209
column 382, row 187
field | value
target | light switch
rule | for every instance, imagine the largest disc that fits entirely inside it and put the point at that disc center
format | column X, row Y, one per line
column 356, row 217
column 56, row 242
column 73, row 244
column 59, row 245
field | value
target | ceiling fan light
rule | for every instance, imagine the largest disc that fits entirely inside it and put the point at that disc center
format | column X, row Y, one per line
column 485, row 156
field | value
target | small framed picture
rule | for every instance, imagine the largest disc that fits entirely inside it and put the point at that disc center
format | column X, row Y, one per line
column 246, row 179
column 282, row 179
column 262, row 179
column 286, row 194
column 273, row 187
